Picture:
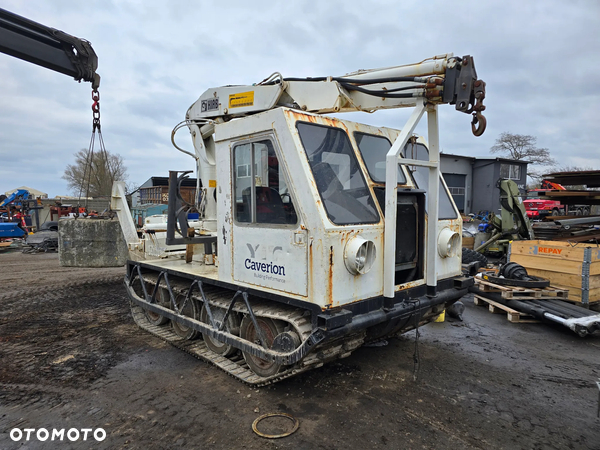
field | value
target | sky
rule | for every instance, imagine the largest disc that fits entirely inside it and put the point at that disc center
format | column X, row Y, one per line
column 157, row 57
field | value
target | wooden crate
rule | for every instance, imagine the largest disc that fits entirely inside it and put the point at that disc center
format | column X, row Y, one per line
column 572, row 266
column 468, row 242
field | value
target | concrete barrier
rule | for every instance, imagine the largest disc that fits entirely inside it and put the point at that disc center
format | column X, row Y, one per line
column 91, row 243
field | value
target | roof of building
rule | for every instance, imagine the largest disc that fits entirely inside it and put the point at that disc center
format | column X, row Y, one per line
column 164, row 181
column 33, row 191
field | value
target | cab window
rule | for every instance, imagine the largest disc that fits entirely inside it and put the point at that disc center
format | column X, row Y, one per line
column 373, row 150
column 338, row 176
column 261, row 192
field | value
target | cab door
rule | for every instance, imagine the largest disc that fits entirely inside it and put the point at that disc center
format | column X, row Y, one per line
column 269, row 247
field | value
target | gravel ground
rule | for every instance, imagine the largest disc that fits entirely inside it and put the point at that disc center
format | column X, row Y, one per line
column 71, row 357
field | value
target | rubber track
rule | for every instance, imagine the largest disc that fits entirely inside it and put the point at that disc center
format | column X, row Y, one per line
column 236, row 365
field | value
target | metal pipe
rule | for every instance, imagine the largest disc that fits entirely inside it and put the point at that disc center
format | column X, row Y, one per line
column 556, row 309
column 400, row 311
column 433, row 194
column 489, row 242
column 391, row 201
column 562, row 309
column 574, row 309
column 435, row 66
column 578, row 221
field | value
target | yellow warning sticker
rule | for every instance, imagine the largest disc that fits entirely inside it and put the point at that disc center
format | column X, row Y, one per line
column 212, row 183
column 241, row 99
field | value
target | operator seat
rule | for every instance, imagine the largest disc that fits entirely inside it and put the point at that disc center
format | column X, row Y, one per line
column 269, row 206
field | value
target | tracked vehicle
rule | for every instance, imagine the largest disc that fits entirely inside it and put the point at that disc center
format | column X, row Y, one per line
column 314, row 234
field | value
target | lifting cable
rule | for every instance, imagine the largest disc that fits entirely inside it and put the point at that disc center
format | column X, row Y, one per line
column 89, row 163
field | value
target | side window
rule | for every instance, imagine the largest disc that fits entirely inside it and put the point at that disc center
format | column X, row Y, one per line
column 373, row 150
column 261, row 192
column 421, row 176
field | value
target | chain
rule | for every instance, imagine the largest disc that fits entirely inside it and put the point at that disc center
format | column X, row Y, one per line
column 87, row 172
column 96, row 109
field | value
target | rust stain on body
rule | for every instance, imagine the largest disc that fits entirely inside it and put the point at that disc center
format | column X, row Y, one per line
column 310, row 265
column 330, row 279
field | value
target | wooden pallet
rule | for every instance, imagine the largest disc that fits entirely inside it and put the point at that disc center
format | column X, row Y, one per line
column 512, row 315
column 519, row 293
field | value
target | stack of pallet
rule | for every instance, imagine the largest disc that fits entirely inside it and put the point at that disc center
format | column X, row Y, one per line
column 515, row 293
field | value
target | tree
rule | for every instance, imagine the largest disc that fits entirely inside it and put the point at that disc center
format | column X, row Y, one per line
column 523, row 147
column 572, row 169
column 93, row 174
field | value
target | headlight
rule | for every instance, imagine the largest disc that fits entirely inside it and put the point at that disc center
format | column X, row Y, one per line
column 448, row 243
column 359, row 255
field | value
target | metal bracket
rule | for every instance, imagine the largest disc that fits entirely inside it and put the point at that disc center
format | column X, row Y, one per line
column 585, row 276
column 177, row 214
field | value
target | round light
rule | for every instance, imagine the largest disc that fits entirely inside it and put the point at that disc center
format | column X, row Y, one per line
column 448, row 243
column 359, row 255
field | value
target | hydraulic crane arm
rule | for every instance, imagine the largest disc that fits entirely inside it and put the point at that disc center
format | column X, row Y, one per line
column 443, row 79
column 48, row 47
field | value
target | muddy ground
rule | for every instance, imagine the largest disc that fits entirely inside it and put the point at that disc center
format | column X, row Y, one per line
column 71, row 357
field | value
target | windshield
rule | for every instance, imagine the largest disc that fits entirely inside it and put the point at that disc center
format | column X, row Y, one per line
column 339, row 179
column 373, row 150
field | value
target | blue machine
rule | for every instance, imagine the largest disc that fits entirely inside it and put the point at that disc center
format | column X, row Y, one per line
column 17, row 196
column 11, row 230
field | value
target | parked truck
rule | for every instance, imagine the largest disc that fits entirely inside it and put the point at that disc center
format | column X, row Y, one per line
column 538, row 208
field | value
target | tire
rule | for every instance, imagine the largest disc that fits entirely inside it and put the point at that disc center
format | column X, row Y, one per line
column 51, row 226
column 259, row 366
column 555, row 212
column 470, row 256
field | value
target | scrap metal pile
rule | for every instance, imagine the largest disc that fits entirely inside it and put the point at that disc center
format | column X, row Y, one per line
column 580, row 229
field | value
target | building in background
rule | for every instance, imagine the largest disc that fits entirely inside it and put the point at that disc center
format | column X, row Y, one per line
column 155, row 191
column 472, row 181
column 152, row 197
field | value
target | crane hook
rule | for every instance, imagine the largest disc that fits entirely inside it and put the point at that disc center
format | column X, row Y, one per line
column 478, row 123
column 478, row 108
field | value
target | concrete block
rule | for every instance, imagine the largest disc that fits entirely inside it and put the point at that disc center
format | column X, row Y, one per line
column 91, row 243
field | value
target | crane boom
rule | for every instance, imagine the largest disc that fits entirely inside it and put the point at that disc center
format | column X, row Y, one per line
column 48, row 47
column 443, row 79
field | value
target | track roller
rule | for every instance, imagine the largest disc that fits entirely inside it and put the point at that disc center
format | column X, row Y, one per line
column 232, row 326
column 270, row 329
column 190, row 309
column 162, row 298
